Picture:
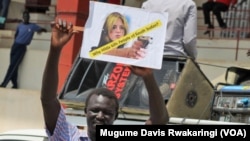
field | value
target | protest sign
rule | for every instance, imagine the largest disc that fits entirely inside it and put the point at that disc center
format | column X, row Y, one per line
column 112, row 32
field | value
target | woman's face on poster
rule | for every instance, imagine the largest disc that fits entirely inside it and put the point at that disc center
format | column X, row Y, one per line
column 117, row 30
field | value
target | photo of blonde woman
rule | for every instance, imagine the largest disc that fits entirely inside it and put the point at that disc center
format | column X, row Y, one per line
column 115, row 27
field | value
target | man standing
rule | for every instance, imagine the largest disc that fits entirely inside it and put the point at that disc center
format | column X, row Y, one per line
column 23, row 37
column 181, row 27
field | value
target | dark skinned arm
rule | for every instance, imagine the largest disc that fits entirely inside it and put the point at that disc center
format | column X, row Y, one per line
column 42, row 30
column 157, row 108
column 61, row 34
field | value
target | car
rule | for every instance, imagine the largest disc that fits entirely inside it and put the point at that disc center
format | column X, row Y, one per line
column 24, row 135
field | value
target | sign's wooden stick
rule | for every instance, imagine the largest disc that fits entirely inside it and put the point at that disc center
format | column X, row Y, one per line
column 78, row 28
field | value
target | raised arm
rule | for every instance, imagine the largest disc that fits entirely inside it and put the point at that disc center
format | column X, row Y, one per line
column 157, row 109
column 60, row 35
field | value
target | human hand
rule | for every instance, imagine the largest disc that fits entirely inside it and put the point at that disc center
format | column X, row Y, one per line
column 137, row 51
column 141, row 71
column 62, row 31
column 41, row 30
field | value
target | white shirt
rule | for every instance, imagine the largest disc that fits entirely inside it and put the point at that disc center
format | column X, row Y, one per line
column 181, row 27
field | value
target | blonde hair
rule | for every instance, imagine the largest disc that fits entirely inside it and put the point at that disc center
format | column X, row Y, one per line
column 107, row 27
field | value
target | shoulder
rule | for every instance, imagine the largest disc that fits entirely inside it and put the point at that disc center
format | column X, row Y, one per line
column 147, row 4
column 190, row 5
column 33, row 24
column 20, row 24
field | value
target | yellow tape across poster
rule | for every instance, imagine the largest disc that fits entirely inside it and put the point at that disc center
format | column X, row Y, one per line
column 125, row 39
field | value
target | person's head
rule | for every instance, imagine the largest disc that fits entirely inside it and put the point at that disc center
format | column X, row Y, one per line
column 101, row 108
column 26, row 16
column 114, row 27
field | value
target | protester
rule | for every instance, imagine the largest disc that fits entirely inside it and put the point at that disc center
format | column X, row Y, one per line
column 101, row 105
column 23, row 36
column 181, row 32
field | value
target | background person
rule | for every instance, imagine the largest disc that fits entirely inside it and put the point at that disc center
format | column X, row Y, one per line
column 181, row 34
column 217, row 6
column 23, row 36
column 4, row 8
column 101, row 105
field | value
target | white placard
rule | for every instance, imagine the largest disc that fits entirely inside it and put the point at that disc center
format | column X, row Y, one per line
column 151, row 27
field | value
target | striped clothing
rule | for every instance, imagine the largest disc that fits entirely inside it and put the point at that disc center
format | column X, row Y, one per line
column 65, row 131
